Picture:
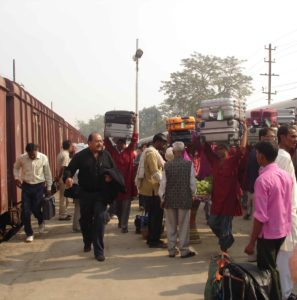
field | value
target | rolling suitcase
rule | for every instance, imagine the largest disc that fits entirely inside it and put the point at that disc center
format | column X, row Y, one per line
column 286, row 116
column 219, row 124
column 261, row 116
column 222, row 102
column 181, row 136
column 119, row 117
column 118, row 130
column 180, row 123
column 223, row 113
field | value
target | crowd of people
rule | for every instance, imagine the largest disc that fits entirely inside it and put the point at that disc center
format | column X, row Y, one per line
column 109, row 173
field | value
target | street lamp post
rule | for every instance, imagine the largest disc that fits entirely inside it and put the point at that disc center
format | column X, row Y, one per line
column 136, row 58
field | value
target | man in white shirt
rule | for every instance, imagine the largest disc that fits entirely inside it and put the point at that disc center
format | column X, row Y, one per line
column 287, row 139
column 32, row 173
column 63, row 161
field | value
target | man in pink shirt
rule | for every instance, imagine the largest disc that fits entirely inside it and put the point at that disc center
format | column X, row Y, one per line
column 272, row 215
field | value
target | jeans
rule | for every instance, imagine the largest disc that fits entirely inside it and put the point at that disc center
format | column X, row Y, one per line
column 32, row 196
column 155, row 218
column 92, row 220
column 221, row 226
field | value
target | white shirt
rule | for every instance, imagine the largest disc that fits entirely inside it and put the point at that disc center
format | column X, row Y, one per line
column 162, row 187
column 284, row 161
column 33, row 171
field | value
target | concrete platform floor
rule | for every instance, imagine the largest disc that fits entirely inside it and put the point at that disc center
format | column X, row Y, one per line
column 54, row 266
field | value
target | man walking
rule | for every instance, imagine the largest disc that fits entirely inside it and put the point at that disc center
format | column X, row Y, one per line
column 32, row 173
column 96, row 189
column 272, row 215
column 123, row 157
column 177, row 188
column 287, row 139
column 148, row 179
column 63, row 160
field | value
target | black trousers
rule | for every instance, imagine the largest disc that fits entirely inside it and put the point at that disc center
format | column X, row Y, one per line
column 32, row 196
column 267, row 251
column 155, row 218
column 92, row 220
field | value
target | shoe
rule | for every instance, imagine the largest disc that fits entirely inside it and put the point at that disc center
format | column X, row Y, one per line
column 100, row 257
column 41, row 227
column 29, row 239
column 173, row 254
column 67, row 218
column 124, row 230
column 189, row 254
column 292, row 297
column 87, row 248
column 161, row 245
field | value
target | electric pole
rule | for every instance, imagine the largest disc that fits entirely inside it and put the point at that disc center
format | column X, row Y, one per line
column 269, row 61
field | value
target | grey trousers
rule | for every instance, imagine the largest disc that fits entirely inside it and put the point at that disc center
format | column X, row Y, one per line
column 122, row 210
column 178, row 218
column 63, row 201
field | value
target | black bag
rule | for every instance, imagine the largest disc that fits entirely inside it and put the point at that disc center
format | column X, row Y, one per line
column 119, row 117
column 140, row 222
column 48, row 207
column 54, row 187
column 246, row 281
column 72, row 192
column 15, row 216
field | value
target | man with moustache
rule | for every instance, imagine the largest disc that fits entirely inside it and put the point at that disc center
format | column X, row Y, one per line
column 94, row 182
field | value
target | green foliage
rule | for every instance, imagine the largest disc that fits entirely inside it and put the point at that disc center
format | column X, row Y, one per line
column 203, row 77
column 95, row 124
column 150, row 121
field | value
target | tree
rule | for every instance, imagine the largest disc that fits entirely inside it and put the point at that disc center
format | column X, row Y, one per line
column 95, row 124
column 203, row 77
column 150, row 121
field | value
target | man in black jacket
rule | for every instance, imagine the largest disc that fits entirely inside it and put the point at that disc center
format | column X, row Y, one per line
column 99, row 183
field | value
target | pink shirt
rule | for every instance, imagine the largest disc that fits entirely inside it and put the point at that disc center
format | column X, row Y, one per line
column 273, row 201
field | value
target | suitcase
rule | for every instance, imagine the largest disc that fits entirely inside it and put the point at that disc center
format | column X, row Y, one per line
column 48, row 207
column 245, row 281
column 118, row 130
column 223, row 102
column 119, row 117
column 286, row 116
column 181, row 136
column 260, row 116
column 180, row 123
column 285, row 120
column 223, row 113
column 219, row 124
column 253, row 135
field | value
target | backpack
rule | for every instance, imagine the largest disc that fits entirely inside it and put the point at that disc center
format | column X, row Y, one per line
column 245, row 282
column 213, row 287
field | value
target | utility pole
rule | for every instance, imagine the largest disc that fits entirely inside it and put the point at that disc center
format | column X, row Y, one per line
column 269, row 61
column 13, row 69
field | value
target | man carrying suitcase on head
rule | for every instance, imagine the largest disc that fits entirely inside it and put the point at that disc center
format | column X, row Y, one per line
column 124, row 156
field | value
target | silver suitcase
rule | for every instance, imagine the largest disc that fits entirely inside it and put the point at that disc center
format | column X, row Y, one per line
column 118, row 130
column 222, row 102
column 223, row 113
column 229, row 135
column 253, row 135
column 219, row 124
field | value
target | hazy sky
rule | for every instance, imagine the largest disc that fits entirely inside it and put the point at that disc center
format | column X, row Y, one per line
column 78, row 54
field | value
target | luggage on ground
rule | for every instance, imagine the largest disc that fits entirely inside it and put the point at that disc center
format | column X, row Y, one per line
column 48, row 207
column 245, row 281
column 213, row 288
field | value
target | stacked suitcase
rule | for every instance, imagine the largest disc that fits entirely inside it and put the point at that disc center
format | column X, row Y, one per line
column 180, row 128
column 221, row 120
column 119, row 124
column 286, row 116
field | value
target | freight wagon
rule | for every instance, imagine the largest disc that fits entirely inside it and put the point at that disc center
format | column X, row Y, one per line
column 25, row 119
